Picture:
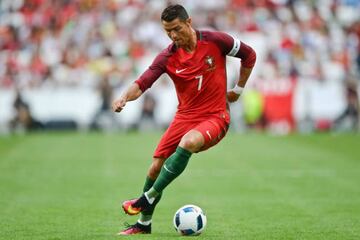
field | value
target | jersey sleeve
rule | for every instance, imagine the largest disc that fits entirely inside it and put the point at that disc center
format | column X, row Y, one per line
column 155, row 70
column 232, row 46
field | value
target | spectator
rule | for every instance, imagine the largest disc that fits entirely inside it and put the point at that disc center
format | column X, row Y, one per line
column 147, row 120
column 349, row 118
column 104, row 118
column 23, row 120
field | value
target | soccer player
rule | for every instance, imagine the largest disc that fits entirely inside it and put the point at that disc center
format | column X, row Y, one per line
column 196, row 62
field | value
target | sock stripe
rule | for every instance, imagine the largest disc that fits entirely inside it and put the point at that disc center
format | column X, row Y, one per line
column 144, row 222
column 168, row 169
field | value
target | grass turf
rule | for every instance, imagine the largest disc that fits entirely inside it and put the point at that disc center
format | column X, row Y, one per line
column 69, row 186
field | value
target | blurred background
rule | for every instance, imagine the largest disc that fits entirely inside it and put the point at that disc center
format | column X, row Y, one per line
column 62, row 63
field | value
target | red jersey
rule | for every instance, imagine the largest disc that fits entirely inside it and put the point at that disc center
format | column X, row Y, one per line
column 200, row 76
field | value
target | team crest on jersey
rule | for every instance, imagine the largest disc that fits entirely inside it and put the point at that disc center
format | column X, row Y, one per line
column 209, row 60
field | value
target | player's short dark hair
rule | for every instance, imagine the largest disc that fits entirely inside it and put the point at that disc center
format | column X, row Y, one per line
column 174, row 11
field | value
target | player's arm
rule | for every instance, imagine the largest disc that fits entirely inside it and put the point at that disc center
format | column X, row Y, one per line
column 234, row 93
column 232, row 46
column 130, row 94
column 248, row 58
column 143, row 83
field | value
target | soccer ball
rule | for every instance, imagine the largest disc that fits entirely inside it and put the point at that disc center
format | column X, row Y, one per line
column 189, row 220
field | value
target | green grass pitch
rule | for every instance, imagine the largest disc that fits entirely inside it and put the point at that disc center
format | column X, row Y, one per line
column 70, row 186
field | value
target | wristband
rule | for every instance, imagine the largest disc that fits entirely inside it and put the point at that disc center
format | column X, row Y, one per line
column 237, row 89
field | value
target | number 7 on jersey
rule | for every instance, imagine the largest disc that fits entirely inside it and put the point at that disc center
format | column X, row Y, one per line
column 200, row 78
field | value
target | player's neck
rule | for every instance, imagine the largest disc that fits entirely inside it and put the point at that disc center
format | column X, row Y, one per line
column 191, row 46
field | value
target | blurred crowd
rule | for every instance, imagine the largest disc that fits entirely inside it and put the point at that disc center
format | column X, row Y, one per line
column 81, row 43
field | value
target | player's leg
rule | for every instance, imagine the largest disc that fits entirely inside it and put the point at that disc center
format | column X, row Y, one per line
column 203, row 136
column 153, row 173
column 167, row 148
column 172, row 168
column 191, row 142
column 143, row 225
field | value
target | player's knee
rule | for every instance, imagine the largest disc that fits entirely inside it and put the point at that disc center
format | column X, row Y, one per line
column 191, row 142
column 188, row 143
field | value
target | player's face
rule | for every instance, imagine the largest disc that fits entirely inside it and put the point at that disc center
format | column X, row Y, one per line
column 178, row 31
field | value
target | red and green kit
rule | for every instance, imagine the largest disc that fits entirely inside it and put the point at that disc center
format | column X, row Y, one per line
column 200, row 81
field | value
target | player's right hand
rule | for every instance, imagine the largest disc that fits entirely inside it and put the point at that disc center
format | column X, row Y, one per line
column 119, row 104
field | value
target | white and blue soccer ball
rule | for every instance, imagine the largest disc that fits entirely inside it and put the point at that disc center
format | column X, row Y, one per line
column 189, row 220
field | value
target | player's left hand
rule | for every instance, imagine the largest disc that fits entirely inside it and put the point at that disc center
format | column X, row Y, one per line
column 232, row 96
column 119, row 104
